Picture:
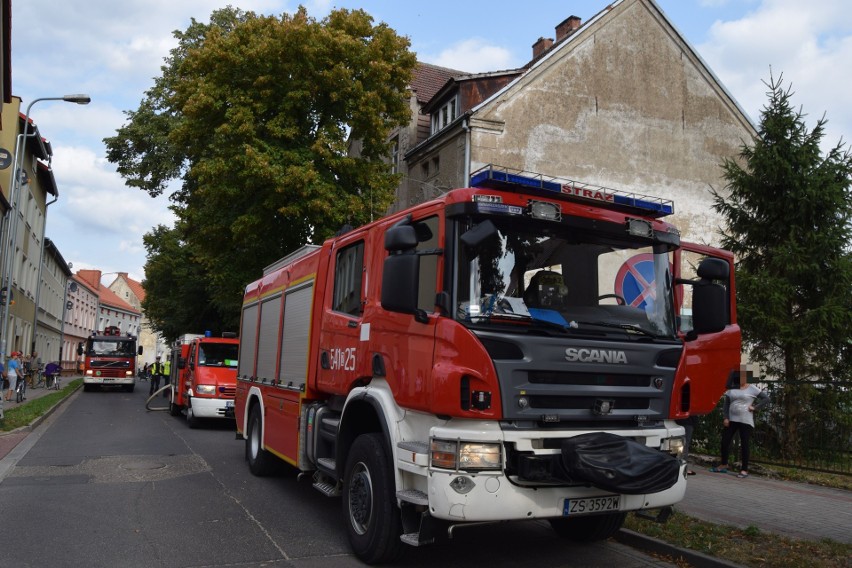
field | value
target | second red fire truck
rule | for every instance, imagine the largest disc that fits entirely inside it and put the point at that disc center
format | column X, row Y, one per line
column 518, row 349
column 203, row 373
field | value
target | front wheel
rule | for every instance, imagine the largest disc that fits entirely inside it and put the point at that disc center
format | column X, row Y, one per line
column 372, row 517
column 191, row 419
column 260, row 461
column 588, row 529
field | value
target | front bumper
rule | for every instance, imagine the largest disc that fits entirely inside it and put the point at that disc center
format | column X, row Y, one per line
column 494, row 495
column 212, row 407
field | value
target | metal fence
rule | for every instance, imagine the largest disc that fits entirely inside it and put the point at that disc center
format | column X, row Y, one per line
column 821, row 438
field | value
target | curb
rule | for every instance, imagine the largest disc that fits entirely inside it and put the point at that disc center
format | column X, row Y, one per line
column 649, row 544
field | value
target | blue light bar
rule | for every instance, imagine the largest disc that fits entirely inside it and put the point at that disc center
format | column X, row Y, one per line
column 499, row 177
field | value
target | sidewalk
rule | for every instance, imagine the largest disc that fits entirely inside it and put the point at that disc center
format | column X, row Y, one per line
column 796, row 510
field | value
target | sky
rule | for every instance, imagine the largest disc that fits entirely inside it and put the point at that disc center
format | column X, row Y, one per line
column 112, row 51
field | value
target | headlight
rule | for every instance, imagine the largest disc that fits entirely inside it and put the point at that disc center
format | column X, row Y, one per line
column 674, row 446
column 205, row 389
column 89, row 372
column 449, row 454
column 128, row 373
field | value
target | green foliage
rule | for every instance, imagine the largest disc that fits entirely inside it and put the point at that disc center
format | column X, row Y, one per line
column 176, row 298
column 788, row 212
column 254, row 114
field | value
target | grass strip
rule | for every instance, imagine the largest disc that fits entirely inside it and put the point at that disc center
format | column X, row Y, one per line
column 24, row 414
column 746, row 547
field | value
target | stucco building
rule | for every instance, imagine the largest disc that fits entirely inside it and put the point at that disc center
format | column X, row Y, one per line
column 132, row 292
column 620, row 101
column 23, row 227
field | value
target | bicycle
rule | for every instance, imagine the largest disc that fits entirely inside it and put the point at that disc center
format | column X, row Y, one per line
column 39, row 380
column 53, row 381
column 52, row 373
column 21, row 389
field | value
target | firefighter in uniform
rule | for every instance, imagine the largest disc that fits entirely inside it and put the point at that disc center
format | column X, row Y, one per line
column 156, row 374
column 167, row 370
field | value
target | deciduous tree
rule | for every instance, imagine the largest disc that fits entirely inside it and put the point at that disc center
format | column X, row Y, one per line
column 253, row 114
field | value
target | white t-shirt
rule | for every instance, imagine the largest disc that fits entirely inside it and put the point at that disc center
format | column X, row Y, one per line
column 738, row 402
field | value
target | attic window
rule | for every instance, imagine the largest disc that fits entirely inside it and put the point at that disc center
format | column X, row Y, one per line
column 444, row 115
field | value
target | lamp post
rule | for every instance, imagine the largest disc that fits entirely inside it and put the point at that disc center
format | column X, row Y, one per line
column 12, row 222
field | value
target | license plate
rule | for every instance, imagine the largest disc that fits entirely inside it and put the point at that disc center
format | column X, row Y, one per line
column 590, row 505
column 229, row 404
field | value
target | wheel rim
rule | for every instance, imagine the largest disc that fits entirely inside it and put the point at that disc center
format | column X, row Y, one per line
column 360, row 498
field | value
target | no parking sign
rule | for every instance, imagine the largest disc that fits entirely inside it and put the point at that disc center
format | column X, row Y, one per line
column 635, row 281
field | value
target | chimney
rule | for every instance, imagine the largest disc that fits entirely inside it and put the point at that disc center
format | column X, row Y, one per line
column 541, row 46
column 567, row 27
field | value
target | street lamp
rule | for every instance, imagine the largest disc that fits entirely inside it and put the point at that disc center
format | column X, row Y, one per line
column 12, row 214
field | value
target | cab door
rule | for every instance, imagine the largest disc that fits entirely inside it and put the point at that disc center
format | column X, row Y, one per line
column 709, row 359
column 343, row 357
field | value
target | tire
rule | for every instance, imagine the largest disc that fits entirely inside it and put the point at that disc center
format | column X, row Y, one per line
column 260, row 461
column 19, row 394
column 191, row 420
column 87, row 388
column 370, row 512
column 588, row 529
column 174, row 409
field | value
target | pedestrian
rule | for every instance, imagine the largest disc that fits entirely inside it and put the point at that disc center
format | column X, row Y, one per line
column 156, row 375
column 740, row 402
column 167, row 369
column 13, row 370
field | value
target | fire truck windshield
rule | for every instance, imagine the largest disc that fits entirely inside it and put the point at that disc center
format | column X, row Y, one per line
column 218, row 354
column 528, row 272
column 111, row 348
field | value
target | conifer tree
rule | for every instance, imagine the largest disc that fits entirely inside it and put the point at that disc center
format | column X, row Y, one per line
column 788, row 209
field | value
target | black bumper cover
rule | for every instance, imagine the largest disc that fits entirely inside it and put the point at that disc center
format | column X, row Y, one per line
column 618, row 464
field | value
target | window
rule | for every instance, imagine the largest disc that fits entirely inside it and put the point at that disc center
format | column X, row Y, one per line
column 444, row 115
column 348, row 274
column 428, row 230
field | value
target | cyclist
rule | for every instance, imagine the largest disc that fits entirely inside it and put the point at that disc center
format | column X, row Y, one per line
column 13, row 371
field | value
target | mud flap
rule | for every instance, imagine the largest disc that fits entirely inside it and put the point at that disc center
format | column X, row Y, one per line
column 618, row 464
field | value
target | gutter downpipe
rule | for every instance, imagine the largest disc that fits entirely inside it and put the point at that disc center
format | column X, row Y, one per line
column 466, row 128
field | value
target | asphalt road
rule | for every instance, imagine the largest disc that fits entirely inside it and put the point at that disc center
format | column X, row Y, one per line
column 104, row 482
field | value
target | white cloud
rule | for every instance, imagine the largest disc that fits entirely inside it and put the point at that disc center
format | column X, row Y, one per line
column 811, row 47
column 474, row 55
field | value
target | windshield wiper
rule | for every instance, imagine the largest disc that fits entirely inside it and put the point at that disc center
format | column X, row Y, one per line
column 629, row 327
column 513, row 318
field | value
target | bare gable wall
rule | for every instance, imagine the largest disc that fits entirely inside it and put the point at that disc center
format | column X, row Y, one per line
column 623, row 104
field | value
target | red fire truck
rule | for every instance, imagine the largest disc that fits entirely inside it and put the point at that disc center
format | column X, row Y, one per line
column 109, row 358
column 203, row 372
column 517, row 349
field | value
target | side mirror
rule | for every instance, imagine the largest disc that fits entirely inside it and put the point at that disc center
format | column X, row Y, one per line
column 79, row 349
column 479, row 234
column 400, row 280
column 181, row 363
column 400, row 238
column 709, row 298
column 139, row 351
